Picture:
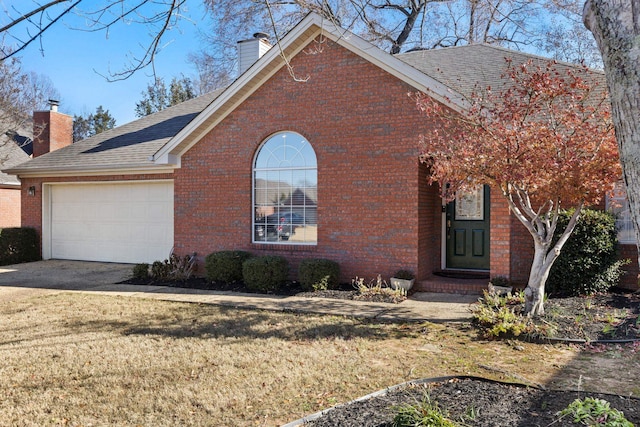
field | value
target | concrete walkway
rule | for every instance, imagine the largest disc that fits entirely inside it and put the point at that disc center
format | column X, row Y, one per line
column 54, row 276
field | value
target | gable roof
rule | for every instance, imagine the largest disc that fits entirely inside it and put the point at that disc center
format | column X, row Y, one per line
column 129, row 146
column 463, row 68
column 155, row 143
column 11, row 154
column 312, row 26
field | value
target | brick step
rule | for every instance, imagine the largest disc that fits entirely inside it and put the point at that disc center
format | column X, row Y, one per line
column 452, row 285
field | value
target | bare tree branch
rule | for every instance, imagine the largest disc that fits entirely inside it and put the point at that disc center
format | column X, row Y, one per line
column 159, row 15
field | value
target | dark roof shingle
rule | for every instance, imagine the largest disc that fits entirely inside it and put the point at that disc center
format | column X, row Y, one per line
column 466, row 69
column 129, row 145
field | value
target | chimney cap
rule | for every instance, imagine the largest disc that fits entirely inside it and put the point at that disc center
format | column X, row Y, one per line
column 260, row 35
column 53, row 104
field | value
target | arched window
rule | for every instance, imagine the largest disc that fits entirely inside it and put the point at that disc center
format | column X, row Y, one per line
column 285, row 191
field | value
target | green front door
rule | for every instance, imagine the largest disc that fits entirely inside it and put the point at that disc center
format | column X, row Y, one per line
column 467, row 230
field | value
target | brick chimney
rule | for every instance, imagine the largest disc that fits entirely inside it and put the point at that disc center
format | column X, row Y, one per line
column 51, row 130
column 249, row 51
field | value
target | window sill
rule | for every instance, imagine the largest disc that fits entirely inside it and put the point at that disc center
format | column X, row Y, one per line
column 285, row 247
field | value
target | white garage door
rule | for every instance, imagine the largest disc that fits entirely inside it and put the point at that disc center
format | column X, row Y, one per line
column 116, row 222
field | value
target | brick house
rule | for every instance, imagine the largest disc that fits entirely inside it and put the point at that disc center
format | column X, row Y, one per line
column 317, row 159
column 15, row 146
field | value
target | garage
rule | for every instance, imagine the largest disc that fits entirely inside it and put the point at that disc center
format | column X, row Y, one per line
column 126, row 222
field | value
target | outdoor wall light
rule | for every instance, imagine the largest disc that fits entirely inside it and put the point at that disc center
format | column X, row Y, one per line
column 32, row 191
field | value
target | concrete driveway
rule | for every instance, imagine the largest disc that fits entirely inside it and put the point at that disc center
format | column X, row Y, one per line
column 25, row 280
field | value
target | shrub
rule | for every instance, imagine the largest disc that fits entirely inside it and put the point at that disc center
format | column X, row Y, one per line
column 160, row 270
column 141, row 271
column 174, row 268
column 182, row 267
column 421, row 414
column 498, row 316
column 591, row 412
column 377, row 290
column 318, row 274
column 225, row 266
column 589, row 262
column 19, row 245
column 265, row 273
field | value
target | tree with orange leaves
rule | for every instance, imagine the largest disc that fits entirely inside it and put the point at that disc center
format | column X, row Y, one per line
column 545, row 141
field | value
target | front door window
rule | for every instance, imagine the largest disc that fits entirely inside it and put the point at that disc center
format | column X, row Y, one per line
column 470, row 205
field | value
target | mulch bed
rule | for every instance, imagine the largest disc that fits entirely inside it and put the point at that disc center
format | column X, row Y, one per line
column 473, row 402
column 611, row 317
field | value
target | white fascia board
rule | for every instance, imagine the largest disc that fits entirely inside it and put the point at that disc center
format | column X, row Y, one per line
column 131, row 170
column 167, row 154
column 166, row 159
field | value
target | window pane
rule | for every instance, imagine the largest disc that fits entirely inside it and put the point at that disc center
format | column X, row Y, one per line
column 618, row 205
column 285, row 191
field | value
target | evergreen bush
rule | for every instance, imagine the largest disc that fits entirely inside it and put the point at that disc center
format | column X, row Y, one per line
column 19, row 245
column 318, row 274
column 161, row 270
column 265, row 273
column 225, row 266
column 141, row 271
column 589, row 262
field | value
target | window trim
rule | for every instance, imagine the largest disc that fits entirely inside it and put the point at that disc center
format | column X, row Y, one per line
column 255, row 169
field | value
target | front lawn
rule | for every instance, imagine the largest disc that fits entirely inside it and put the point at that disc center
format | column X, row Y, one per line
column 79, row 359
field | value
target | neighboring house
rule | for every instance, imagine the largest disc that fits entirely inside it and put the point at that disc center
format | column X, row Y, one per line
column 14, row 147
column 323, row 165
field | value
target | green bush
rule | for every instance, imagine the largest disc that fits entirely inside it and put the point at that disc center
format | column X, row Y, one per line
column 499, row 316
column 265, row 273
column 318, row 274
column 421, row 414
column 19, row 245
column 141, row 271
column 161, row 270
column 589, row 262
column 592, row 412
column 225, row 266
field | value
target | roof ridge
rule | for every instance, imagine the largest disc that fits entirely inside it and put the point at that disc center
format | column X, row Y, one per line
column 506, row 50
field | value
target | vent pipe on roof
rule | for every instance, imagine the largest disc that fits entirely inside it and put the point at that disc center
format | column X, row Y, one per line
column 53, row 105
column 249, row 51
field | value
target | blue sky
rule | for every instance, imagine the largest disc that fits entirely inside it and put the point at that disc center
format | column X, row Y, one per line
column 74, row 60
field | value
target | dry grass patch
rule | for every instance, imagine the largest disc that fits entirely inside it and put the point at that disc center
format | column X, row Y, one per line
column 89, row 360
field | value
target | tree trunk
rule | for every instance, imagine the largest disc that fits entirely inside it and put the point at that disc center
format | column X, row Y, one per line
column 615, row 24
column 534, row 292
column 543, row 257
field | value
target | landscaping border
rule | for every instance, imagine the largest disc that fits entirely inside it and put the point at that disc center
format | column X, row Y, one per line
column 422, row 381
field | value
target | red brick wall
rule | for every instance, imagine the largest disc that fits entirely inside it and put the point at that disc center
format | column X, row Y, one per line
column 9, row 207
column 364, row 129
column 630, row 278
column 522, row 251
column 51, row 131
column 430, row 225
column 500, row 249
